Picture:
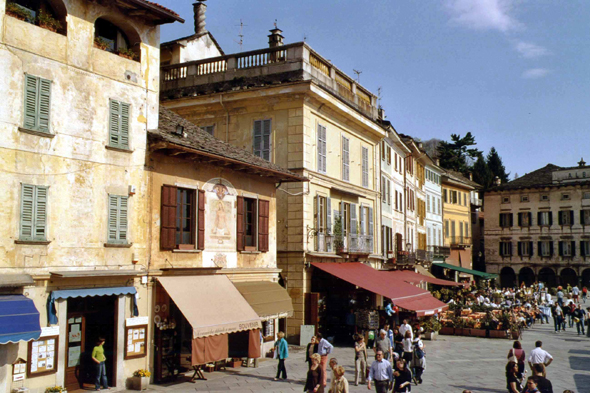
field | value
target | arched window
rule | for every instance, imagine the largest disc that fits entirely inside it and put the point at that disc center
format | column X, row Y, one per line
column 49, row 14
column 110, row 37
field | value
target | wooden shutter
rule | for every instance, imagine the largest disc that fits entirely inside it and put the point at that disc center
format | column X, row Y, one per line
column 550, row 218
column 329, row 215
column 263, row 221
column 40, row 233
column 531, row 253
column 362, row 219
column 27, row 212
column 201, row 201
column 44, row 105
column 240, row 241
column 112, row 220
column 520, row 249
column 501, row 251
column 582, row 217
column 311, row 309
column 582, row 249
column 530, row 219
column 30, row 101
column 539, row 249
column 511, row 219
column 519, row 219
column 539, row 220
column 123, row 218
column 560, row 249
column 571, row 217
column 168, row 217
column 353, row 220
column 124, row 124
column 370, row 222
column 115, row 123
column 560, row 218
column 551, row 248
column 573, row 244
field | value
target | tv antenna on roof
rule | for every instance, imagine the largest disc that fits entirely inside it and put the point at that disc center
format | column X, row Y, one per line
column 241, row 35
column 379, row 95
column 358, row 75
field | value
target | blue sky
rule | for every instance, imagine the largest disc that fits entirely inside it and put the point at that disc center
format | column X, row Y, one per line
column 513, row 72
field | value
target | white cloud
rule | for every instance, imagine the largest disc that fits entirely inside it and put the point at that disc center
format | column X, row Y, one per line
column 529, row 50
column 535, row 73
column 484, row 14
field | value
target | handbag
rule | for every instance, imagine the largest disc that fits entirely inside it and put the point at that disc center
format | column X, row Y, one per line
column 512, row 358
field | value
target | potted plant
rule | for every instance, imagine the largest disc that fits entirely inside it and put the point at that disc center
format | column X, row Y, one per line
column 431, row 327
column 127, row 53
column 338, row 239
column 100, row 43
column 48, row 22
column 56, row 389
column 17, row 11
column 140, row 379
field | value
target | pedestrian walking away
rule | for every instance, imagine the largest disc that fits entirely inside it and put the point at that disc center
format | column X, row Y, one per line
column 517, row 355
column 281, row 353
column 543, row 384
column 340, row 384
column 408, row 349
column 541, row 357
column 312, row 348
column 360, row 360
column 418, row 359
column 324, row 349
column 381, row 374
column 100, row 359
column 315, row 378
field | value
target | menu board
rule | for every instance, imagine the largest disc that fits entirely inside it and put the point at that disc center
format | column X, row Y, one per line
column 43, row 356
column 135, row 341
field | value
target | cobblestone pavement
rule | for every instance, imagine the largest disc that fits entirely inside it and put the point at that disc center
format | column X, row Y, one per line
column 453, row 364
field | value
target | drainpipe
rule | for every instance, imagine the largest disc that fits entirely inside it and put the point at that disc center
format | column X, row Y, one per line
column 226, row 118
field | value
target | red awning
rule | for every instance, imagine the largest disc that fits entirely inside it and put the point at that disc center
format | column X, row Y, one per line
column 385, row 284
column 416, row 278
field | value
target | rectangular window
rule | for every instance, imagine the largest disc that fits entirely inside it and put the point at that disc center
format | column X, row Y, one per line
column 544, row 198
column 250, row 215
column 395, row 158
column 466, row 229
column 524, row 219
column 117, row 219
column 322, row 156
column 505, row 220
column 262, row 138
column 455, row 198
column 439, row 207
column 321, row 214
column 209, row 129
column 383, row 189
column 464, row 199
column 388, row 155
column 545, row 248
column 586, row 195
column 383, row 150
column 566, row 217
column 445, row 197
column 525, row 249
column 37, row 103
column 33, row 213
column 505, row 199
column 346, row 219
column 119, row 115
column 447, row 228
column 428, row 203
column 524, row 198
column 566, row 248
column 585, row 248
column 565, row 197
column 388, row 192
column 365, row 166
column 185, row 218
column 505, row 249
column 182, row 218
column 345, row 159
column 252, row 224
column 544, row 218
column 585, row 217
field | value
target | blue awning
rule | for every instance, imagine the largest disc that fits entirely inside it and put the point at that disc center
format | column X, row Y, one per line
column 19, row 319
column 87, row 292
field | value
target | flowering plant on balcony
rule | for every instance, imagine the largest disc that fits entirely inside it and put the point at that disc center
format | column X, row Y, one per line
column 55, row 389
column 17, row 11
column 127, row 53
column 48, row 22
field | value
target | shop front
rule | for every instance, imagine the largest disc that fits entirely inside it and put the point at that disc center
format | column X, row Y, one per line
column 201, row 320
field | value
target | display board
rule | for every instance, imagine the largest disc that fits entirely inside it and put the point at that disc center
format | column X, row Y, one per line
column 42, row 356
column 135, row 341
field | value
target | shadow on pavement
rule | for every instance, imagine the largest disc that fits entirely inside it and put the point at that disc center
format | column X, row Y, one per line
column 579, row 363
column 582, row 382
column 478, row 389
column 579, row 351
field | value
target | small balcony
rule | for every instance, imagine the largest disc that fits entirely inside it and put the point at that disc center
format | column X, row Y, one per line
column 265, row 67
column 406, row 258
column 424, row 256
column 324, row 242
column 357, row 244
column 439, row 251
column 459, row 241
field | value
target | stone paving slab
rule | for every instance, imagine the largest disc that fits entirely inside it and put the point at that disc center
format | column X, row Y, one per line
column 453, row 364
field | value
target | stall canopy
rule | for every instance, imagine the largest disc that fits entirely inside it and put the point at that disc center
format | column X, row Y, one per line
column 268, row 299
column 385, row 284
column 486, row 276
column 211, row 304
column 416, row 278
column 19, row 319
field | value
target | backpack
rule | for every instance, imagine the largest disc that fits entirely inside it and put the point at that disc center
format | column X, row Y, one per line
column 418, row 351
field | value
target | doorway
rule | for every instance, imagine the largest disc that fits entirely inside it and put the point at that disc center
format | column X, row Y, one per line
column 88, row 319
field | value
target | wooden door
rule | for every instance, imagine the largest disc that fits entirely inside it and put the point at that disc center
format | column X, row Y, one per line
column 75, row 346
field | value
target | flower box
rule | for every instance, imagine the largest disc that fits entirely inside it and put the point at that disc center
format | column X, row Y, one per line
column 459, row 331
column 497, row 334
column 140, row 383
column 447, row 330
column 478, row 332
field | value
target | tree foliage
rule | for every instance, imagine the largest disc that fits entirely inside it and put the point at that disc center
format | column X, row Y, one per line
column 481, row 172
column 496, row 166
column 457, row 154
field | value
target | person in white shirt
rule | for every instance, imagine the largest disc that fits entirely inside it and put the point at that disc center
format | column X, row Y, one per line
column 405, row 327
column 575, row 293
column 540, row 356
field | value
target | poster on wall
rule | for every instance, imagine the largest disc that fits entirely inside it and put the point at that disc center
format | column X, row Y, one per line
column 73, row 356
column 42, row 354
column 135, row 341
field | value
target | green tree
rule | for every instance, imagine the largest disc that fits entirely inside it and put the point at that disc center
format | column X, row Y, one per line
column 496, row 166
column 454, row 155
column 481, row 173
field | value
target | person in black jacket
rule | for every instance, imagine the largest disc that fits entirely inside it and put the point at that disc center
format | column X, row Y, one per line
column 544, row 385
column 403, row 377
column 312, row 348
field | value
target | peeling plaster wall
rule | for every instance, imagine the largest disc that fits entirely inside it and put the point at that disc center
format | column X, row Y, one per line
column 74, row 162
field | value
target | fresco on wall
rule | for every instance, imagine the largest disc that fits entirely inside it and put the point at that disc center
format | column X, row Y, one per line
column 220, row 218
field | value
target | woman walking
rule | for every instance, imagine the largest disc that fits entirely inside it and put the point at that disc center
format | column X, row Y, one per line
column 340, row 384
column 517, row 355
column 100, row 359
column 403, row 377
column 512, row 380
column 360, row 360
column 282, row 353
column 312, row 348
column 418, row 359
column 408, row 350
column 315, row 376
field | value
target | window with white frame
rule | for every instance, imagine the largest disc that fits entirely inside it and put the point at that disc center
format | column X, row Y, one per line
column 505, row 249
column 545, row 248
column 262, row 138
column 585, row 248
column 525, row 249
column 566, row 248
column 544, row 218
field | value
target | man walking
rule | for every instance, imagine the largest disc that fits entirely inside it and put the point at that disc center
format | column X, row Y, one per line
column 380, row 372
column 324, row 349
column 539, row 356
column 405, row 327
column 383, row 344
column 579, row 316
column 575, row 293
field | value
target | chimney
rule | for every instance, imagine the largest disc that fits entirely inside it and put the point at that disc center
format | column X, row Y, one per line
column 199, row 9
column 470, row 176
column 381, row 113
column 582, row 163
column 421, row 145
column 438, row 162
column 275, row 38
column 497, row 181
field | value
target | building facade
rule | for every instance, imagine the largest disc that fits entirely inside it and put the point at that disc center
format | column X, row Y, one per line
column 434, row 213
column 79, row 92
column 536, row 228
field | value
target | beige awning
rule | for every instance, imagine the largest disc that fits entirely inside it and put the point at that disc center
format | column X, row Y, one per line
column 16, row 280
column 211, row 304
column 422, row 270
column 268, row 299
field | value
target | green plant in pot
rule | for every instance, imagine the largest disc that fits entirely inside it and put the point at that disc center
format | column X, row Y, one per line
column 431, row 324
column 48, row 22
column 101, row 43
column 338, row 236
column 127, row 53
column 18, row 12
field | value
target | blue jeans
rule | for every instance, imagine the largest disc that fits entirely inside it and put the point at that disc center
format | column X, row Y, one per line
column 101, row 376
column 557, row 320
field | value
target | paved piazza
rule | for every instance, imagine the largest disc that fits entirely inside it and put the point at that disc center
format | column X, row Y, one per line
column 454, row 363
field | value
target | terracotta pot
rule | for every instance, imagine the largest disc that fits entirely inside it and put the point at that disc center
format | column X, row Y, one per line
column 478, row 332
column 19, row 17
column 140, row 383
column 48, row 27
column 125, row 56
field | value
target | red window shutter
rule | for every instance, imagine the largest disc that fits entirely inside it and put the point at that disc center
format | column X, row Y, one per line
column 240, row 224
column 168, row 218
column 201, row 221
column 263, row 213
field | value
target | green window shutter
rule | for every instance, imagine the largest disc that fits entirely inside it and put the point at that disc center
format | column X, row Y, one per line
column 257, row 138
column 118, row 219
column 27, row 212
column 112, row 220
column 44, row 106
column 40, row 233
column 123, row 215
column 31, row 88
column 115, row 124
column 124, row 124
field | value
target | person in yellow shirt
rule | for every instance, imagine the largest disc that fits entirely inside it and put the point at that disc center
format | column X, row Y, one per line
column 99, row 358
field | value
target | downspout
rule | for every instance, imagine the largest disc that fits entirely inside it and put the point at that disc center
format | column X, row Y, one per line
column 226, row 118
